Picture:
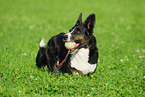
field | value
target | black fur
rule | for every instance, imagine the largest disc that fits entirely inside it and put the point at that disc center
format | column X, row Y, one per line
column 55, row 50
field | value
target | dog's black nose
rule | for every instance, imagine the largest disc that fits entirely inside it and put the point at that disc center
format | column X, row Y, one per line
column 65, row 37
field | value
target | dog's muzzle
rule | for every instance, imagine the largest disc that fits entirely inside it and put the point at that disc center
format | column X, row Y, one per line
column 69, row 44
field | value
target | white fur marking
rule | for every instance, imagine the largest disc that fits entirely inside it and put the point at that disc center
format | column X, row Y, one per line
column 42, row 43
column 69, row 36
column 79, row 61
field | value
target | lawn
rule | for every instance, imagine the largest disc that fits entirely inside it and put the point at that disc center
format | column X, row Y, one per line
column 120, row 33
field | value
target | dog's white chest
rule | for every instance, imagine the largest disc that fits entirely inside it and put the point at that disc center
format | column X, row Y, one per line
column 79, row 61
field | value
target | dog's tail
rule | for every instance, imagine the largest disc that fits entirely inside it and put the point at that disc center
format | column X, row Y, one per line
column 41, row 56
column 42, row 43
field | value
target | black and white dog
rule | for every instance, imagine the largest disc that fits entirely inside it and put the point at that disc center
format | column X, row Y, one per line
column 82, row 59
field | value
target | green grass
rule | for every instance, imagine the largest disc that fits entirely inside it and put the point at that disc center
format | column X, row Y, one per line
column 120, row 33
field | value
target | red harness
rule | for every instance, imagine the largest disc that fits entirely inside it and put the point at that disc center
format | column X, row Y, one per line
column 60, row 65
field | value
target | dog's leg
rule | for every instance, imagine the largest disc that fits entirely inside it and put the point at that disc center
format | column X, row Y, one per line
column 66, row 67
column 93, row 52
column 51, row 57
column 51, row 60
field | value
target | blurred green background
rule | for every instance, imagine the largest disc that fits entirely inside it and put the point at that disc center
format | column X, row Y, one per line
column 120, row 33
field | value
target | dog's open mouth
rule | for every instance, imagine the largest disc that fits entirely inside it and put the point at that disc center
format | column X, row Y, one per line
column 75, row 49
column 72, row 46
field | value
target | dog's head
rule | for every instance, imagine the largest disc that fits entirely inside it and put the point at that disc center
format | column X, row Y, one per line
column 81, row 32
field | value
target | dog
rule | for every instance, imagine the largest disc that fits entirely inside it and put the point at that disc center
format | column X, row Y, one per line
column 83, row 58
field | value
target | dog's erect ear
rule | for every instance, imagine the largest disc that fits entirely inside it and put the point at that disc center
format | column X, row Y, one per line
column 90, row 23
column 79, row 21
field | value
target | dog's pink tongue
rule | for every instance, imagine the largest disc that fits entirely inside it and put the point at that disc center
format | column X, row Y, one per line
column 73, row 49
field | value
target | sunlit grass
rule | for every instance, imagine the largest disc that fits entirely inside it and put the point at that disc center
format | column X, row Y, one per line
column 119, row 29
